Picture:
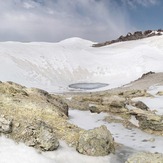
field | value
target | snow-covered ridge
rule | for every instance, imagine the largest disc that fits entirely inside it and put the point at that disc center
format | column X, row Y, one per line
column 132, row 36
column 53, row 66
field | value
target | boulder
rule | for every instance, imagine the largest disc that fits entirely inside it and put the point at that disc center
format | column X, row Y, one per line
column 141, row 105
column 148, row 120
column 96, row 142
column 146, row 157
column 41, row 136
column 47, row 139
column 160, row 93
column 5, row 125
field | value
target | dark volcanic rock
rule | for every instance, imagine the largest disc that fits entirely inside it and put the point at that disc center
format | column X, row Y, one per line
column 135, row 36
column 141, row 105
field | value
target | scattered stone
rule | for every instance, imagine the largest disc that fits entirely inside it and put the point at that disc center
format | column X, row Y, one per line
column 148, row 120
column 149, row 140
column 133, row 93
column 96, row 142
column 114, row 101
column 17, row 124
column 160, row 93
column 141, row 105
column 5, row 125
column 146, row 157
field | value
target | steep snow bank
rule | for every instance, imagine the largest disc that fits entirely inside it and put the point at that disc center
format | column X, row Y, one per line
column 53, row 66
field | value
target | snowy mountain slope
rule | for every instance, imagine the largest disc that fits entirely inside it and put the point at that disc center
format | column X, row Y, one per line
column 53, row 66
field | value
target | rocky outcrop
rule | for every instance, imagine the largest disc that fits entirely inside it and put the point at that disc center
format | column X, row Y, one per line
column 141, row 105
column 106, row 102
column 39, row 120
column 135, row 36
column 120, row 104
column 149, row 121
column 133, row 93
column 146, row 157
column 146, row 74
column 96, row 142
column 114, row 101
column 35, row 117
column 160, row 93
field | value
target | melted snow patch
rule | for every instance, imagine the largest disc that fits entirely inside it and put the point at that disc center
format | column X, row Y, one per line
column 154, row 103
column 133, row 138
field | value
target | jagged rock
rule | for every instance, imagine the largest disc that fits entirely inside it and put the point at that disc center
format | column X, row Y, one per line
column 148, row 120
column 46, row 138
column 141, row 105
column 160, row 93
column 96, row 142
column 133, row 93
column 114, row 101
column 95, row 109
column 51, row 99
column 146, row 74
column 135, row 36
column 147, row 32
column 41, row 136
column 5, row 125
column 146, row 157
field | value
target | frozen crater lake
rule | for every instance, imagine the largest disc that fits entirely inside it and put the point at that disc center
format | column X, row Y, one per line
column 87, row 86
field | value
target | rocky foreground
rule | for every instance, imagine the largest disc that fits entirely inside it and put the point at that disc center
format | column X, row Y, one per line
column 121, row 108
column 39, row 119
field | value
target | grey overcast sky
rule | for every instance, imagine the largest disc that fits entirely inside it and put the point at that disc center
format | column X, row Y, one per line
column 96, row 20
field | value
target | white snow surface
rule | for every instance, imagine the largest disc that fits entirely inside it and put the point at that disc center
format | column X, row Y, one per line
column 10, row 152
column 53, row 66
column 154, row 103
column 133, row 138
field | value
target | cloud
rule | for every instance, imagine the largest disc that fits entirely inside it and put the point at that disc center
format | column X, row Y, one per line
column 145, row 3
column 54, row 20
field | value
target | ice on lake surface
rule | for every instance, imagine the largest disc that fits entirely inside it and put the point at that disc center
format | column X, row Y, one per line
column 87, row 86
